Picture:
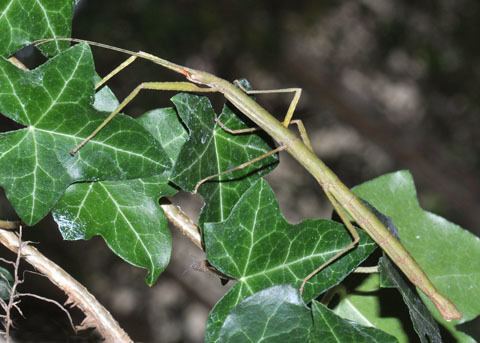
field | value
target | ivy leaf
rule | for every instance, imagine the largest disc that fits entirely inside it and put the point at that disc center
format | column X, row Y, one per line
column 444, row 250
column 162, row 123
column 278, row 314
column 423, row 323
column 165, row 126
column 370, row 305
column 54, row 102
column 391, row 277
column 126, row 213
column 105, row 100
column 6, row 283
column 257, row 247
column 211, row 150
column 328, row 327
column 367, row 305
column 24, row 21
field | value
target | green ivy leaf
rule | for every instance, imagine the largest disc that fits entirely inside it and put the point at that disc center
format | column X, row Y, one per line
column 444, row 250
column 211, row 150
column 165, row 126
column 126, row 213
column 328, row 327
column 368, row 306
column 105, row 100
column 162, row 123
column 24, row 21
column 424, row 324
column 391, row 277
column 54, row 102
column 6, row 283
column 278, row 314
column 256, row 246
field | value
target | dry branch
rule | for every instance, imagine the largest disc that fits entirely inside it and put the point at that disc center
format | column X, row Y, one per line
column 95, row 314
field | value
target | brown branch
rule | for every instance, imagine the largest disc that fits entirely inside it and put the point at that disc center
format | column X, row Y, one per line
column 56, row 303
column 9, row 225
column 95, row 314
column 183, row 222
column 13, row 289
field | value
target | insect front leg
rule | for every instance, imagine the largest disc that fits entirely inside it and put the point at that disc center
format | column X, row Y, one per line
column 156, row 86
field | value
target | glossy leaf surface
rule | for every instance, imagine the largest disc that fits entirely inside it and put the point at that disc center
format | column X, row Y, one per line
column 165, row 126
column 6, row 283
column 368, row 305
column 425, row 326
column 328, row 327
column 211, row 150
column 24, row 21
column 391, row 277
column 447, row 253
column 54, row 102
column 126, row 213
column 257, row 247
column 278, row 314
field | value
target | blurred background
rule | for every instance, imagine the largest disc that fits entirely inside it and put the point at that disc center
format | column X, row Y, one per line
column 387, row 86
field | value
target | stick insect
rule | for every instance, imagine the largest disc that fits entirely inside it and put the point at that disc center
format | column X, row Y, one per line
column 347, row 205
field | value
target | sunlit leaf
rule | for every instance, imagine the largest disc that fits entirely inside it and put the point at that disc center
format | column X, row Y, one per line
column 423, row 322
column 446, row 252
column 370, row 305
column 328, row 327
column 391, row 277
column 367, row 305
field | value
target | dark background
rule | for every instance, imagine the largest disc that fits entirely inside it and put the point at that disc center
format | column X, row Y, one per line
column 387, row 86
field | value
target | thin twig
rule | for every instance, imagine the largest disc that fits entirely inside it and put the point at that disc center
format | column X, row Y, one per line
column 95, row 314
column 53, row 302
column 183, row 222
column 13, row 289
column 366, row 270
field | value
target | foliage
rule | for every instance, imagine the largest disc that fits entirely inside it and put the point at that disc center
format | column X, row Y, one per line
column 432, row 241
column 24, row 21
column 278, row 314
column 112, row 188
column 258, row 247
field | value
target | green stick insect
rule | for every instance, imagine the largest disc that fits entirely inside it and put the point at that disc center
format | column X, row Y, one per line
column 347, row 205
